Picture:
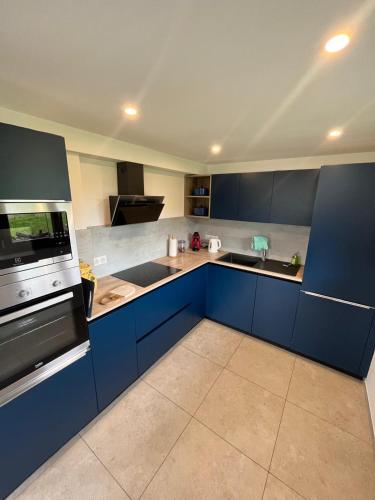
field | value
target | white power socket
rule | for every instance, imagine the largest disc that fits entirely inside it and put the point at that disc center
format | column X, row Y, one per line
column 98, row 261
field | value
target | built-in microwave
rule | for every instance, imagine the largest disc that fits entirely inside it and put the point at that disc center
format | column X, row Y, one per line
column 36, row 238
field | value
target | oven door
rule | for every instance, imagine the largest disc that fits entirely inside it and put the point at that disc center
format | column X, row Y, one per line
column 33, row 239
column 39, row 332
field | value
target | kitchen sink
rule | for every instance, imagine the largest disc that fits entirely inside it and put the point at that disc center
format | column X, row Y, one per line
column 274, row 266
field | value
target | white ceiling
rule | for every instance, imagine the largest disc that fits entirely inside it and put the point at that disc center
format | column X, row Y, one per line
column 249, row 74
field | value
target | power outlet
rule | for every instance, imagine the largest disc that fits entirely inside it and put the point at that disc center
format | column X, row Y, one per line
column 98, row 261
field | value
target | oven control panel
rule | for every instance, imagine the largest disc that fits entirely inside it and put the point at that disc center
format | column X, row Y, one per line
column 34, row 288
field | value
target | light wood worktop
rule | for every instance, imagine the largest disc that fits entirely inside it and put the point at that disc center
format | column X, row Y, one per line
column 186, row 262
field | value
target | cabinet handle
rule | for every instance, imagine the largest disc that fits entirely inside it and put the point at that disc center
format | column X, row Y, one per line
column 333, row 299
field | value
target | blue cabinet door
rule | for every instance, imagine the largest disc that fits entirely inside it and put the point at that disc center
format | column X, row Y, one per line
column 275, row 310
column 368, row 353
column 224, row 196
column 114, row 353
column 293, row 196
column 255, row 196
column 230, row 296
column 36, row 424
column 340, row 259
column 33, row 165
column 332, row 332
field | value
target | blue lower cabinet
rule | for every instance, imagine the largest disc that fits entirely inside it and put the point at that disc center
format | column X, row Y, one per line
column 37, row 423
column 114, row 353
column 275, row 310
column 332, row 332
column 231, row 296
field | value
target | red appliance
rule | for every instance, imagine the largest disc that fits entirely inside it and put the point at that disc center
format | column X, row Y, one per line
column 196, row 242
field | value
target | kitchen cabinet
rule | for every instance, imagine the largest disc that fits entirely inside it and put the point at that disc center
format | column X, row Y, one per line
column 114, row 353
column 275, row 310
column 340, row 259
column 33, row 165
column 332, row 332
column 255, row 194
column 224, row 196
column 164, row 331
column 37, row 423
column 293, row 196
column 230, row 296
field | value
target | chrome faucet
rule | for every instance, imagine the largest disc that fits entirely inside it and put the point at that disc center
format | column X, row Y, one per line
column 264, row 255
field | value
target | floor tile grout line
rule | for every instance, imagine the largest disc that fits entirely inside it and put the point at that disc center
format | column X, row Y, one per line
column 330, row 423
column 285, row 484
column 166, row 456
column 281, row 419
column 106, row 468
column 168, row 399
column 209, row 390
column 255, row 383
column 230, row 444
column 201, row 355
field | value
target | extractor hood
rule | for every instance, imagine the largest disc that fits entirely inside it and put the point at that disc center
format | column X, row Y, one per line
column 131, row 206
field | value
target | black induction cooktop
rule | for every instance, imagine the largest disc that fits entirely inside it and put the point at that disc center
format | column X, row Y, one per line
column 146, row 274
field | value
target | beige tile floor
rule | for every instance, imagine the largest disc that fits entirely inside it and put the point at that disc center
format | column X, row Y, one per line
column 221, row 416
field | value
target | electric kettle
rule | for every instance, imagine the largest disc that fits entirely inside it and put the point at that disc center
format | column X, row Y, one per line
column 214, row 245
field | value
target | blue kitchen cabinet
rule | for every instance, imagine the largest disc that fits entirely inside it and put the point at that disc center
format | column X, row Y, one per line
column 332, row 332
column 33, row 165
column 164, row 331
column 36, row 424
column 224, row 196
column 368, row 353
column 293, row 196
column 114, row 353
column 255, row 194
column 230, row 296
column 275, row 310
column 340, row 259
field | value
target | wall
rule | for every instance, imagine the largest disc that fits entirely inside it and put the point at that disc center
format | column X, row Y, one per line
column 370, row 388
column 88, row 143
column 291, row 163
column 92, row 180
column 127, row 246
column 236, row 236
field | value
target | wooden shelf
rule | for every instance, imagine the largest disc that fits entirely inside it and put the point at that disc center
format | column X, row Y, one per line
column 197, row 201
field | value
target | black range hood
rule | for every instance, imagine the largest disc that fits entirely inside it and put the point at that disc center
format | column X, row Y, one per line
column 131, row 206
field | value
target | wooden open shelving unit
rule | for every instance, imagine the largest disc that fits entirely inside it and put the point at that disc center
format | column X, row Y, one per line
column 192, row 201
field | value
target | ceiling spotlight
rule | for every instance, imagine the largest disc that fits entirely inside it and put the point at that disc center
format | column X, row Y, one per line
column 334, row 133
column 215, row 149
column 337, row 43
column 131, row 111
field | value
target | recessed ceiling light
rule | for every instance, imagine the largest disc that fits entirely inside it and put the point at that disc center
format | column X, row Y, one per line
column 337, row 43
column 334, row 133
column 216, row 149
column 131, row 111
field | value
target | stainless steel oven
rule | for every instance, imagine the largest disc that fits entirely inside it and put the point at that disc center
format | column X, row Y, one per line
column 43, row 325
column 36, row 238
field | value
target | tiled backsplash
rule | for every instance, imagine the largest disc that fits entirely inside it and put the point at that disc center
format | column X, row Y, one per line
column 235, row 236
column 127, row 246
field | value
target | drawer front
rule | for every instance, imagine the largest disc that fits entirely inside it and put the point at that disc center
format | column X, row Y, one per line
column 332, row 332
column 36, row 424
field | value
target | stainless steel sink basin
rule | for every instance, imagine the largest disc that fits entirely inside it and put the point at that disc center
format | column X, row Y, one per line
column 274, row 266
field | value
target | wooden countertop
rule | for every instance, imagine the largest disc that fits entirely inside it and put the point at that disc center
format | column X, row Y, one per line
column 186, row 262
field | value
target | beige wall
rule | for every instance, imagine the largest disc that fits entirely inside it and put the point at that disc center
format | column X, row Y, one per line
column 92, row 180
column 291, row 163
column 87, row 143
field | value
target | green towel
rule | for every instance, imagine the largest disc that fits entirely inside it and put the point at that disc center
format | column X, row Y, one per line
column 259, row 243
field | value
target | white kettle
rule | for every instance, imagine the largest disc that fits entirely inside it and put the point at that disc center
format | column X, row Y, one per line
column 214, row 245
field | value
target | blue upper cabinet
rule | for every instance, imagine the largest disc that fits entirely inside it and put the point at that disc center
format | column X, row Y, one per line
column 255, row 194
column 230, row 296
column 275, row 310
column 224, row 196
column 333, row 332
column 340, row 259
column 293, row 197
column 33, row 165
column 114, row 353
